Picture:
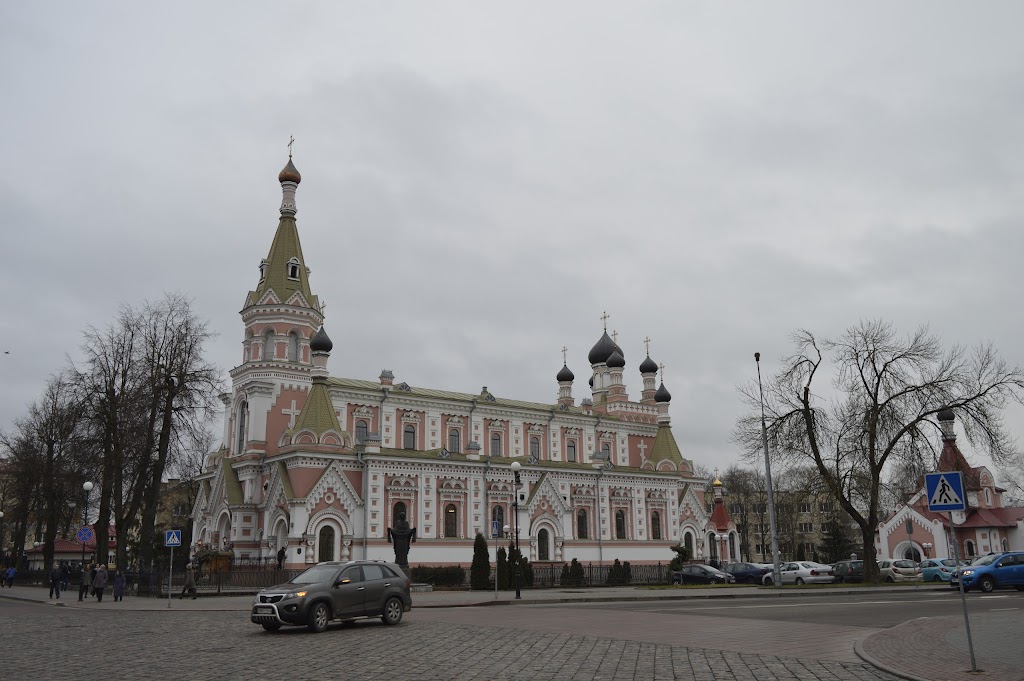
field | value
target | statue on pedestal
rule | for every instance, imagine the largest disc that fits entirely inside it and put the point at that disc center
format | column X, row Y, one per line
column 401, row 535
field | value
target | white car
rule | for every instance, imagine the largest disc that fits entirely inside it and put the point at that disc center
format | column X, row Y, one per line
column 803, row 572
column 898, row 571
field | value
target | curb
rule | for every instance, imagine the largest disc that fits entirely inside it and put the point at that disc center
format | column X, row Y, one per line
column 858, row 649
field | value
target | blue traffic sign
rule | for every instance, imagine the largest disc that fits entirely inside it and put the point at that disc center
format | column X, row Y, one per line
column 172, row 538
column 84, row 534
column 495, row 529
column 945, row 491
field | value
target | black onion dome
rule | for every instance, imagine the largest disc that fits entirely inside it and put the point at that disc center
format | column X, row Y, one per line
column 946, row 414
column 602, row 350
column 290, row 173
column 663, row 395
column 648, row 366
column 565, row 374
column 616, row 361
column 321, row 342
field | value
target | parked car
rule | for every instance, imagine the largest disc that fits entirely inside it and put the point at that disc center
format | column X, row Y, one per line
column 335, row 591
column 804, row 572
column 937, row 569
column 991, row 572
column 701, row 574
column 747, row 573
column 898, row 571
column 848, row 571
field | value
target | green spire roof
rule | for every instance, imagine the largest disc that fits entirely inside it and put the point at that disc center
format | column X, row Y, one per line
column 285, row 249
column 665, row 447
column 232, row 488
column 317, row 413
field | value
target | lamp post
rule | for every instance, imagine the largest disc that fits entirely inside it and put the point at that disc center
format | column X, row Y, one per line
column 721, row 548
column 776, row 568
column 927, row 547
column 87, row 486
column 515, row 510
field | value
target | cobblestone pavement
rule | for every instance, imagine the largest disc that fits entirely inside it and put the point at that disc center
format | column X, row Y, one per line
column 43, row 642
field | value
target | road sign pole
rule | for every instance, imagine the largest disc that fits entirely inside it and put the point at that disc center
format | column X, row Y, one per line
column 170, row 572
column 963, row 595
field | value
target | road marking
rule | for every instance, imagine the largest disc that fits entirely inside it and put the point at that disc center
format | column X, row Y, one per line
column 1001, row 609
column 984, row 597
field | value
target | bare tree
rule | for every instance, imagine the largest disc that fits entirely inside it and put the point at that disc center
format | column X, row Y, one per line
column 887, row 392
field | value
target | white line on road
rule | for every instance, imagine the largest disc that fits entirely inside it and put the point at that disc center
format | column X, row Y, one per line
column 1001, row 609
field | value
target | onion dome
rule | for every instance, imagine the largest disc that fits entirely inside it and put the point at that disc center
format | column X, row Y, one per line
column 565, row 374
column 290, row 173
column 946, row 414
column 602, row 350
column 616, row 360
column 717, row 482
column 663, row 395
column 591, row 382
column 648, row 366
column 321, row 342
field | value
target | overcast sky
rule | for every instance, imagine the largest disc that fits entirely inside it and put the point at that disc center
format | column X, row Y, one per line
column 482, row 180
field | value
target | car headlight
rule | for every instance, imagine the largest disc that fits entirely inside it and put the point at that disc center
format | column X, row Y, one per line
column 967, row 573
column 296, row 594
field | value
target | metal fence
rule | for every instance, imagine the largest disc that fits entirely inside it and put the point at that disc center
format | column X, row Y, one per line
column 554, row 576
column 235, row 580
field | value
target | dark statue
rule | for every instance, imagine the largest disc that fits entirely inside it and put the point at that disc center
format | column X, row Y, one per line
column 401, row 535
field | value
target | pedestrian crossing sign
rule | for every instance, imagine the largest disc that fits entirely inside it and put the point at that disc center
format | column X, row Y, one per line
column 945, row 491
column 172, row 538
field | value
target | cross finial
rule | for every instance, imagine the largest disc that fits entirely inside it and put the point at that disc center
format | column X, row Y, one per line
column 662, row 367
column 716, row 472
column 564, row 350
column 291, row 141
column 604, row 319
column 647, row 344
column 615, row 336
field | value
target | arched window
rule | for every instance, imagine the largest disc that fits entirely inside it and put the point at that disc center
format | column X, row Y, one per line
column 325, row 545
column 451, row 521
column 543, row 549
column 606, row 450
column 293, row 268
column 268, row 344
column 688, row 544
column 495, row 444
column 570, row 450
column 409, row 437
column 360, row 431
column 243, row 410
column 712, row 546
column 733, row 556
column 620, row 524
column 988, row 497
column 911, row 553
column 655, row 525
column 397, row 510
column 293, row 347
column 969, row 548
column 582, row 527
column 454, row 441
column 498, row 515
column 535, row 447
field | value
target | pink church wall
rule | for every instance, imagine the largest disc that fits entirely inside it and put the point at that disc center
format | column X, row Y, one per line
column 303, row 479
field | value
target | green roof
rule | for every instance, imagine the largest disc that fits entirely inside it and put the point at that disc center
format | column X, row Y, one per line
column 317, row 413
column 286, row 481
column 232, row 488
column 285, row 247
column 665, row 447
column 536, row 487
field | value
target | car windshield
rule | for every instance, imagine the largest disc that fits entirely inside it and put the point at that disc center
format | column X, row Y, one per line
column 985, row 560
column 905, row 564
column 856, row 564
column 315, row 575
column 949, row 562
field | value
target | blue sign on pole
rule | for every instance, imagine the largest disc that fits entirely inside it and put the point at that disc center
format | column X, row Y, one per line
column 945, row 491
column 495, row 529
column 172, row 538
column 84, row 534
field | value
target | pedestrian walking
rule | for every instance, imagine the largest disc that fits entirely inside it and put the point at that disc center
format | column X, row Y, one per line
column 190, row 583
column 65, row 576
column 99, row 583
column 83, row 582
column 10, row 577
column 118, row 586
column 54, row 577
column 92, row 577
column 280, row 557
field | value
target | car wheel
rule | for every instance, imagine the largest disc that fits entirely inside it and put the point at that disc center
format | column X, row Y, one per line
column 988, row 585
column 768, row 581
column 936, row 578
column 890, row 580
column 271, row 627
column 393, row 610
column 799, row 581
column 319, row 616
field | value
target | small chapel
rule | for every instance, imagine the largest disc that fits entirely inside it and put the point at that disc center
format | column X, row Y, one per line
column 320, row 466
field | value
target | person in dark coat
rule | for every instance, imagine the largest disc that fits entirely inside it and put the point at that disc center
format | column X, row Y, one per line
column 83, row 582
column 55, row 577
column 118, row 586
column 65, row 576
column 99, row 583
column 280, row 557
column 190, row 583
column 92, row 578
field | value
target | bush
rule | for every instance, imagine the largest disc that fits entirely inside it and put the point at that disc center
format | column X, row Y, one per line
column 450, row 575
column 502, row 569
column 682, row 556
column 525, row 573
column 480, row 572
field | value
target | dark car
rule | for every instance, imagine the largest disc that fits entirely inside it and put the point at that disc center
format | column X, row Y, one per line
column 848, row 571
column 747, row 573
column 335, row 591
column 701, row 574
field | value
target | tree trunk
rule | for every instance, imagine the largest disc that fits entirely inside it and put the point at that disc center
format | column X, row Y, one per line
column 52, row 519
column 147, row 549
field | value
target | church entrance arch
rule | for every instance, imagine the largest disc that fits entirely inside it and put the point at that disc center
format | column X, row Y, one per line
column 326, row 543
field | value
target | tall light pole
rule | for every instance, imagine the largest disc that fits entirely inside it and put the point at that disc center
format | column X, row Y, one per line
column 85, row 515
column 515, row 510
column 776, row 568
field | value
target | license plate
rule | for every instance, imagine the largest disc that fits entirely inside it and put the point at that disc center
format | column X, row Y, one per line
column 264, row 611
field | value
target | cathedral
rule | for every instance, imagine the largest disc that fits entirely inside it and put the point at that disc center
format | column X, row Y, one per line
column 320, row 466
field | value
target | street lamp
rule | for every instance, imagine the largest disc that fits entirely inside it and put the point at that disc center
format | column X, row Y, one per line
column 515, row 510
column 87, row 486
column 721, row 547
column 776, row 568
column 926, row 546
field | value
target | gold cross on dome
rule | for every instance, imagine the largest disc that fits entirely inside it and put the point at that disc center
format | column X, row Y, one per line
column 291, row 141
column 662, row 367
column 615, row 337
column 647, row 344
column 564, row 350
column 604, row 319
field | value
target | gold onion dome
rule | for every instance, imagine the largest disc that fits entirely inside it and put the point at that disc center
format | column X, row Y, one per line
column 717, row 482
column 290, row 173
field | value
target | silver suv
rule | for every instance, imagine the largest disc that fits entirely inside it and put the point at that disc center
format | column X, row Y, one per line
column 335, row 591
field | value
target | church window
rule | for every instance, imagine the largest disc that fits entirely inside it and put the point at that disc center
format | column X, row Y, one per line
column 620, row 524
column 712, row 545
column 535, row 447
column 969, row 548
column 293, row 347
column 582, row 529
column 451, row 521
column 268, row 344
column 409, row 437
column 396, row 512
column 606, row 451
column 732, row 547
column 988, row 497
column 243, row 410
column 325, row 545
column 570, row 450
column 543, row 548
column 263, row 270
column 293, row 268
column 498, row 516
column 688, row 543
column 454, row 441
column 655, row 525
column 361, row 431
column 495, row 444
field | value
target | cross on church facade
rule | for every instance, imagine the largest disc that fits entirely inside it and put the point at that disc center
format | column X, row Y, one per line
column 643, row 450
column 291, row 414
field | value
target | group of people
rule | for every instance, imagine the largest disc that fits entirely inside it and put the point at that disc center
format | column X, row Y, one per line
column 93, row 582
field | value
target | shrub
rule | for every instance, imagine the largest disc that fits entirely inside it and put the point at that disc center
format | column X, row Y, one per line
column 502, row 569
column 449, row 575
column 480, row 572
column 682, row 556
